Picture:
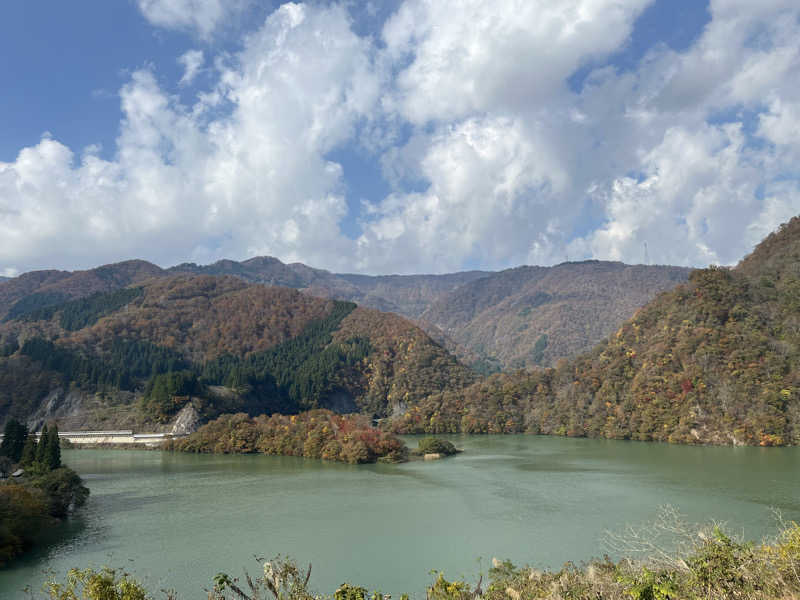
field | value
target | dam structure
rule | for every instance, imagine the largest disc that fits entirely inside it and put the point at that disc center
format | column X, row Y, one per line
column 121, row 437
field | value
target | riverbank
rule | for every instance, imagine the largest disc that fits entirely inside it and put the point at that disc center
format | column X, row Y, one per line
column 33, row 503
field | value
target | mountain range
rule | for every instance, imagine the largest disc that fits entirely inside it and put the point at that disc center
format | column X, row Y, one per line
column 523, row 317
column 136, row 355
column 713, row 359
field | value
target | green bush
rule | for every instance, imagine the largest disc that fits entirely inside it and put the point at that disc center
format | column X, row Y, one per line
column 432, row 445
column 89, row 584
column 34, row 504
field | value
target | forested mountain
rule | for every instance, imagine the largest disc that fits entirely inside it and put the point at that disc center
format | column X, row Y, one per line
column 715, row 360
column 532, row 316
column 140, row 352
column 37, row 289
column 408, row 295
column 261, row 269
column 528, row 316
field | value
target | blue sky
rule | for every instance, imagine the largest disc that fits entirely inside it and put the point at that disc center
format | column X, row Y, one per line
column 395, row 137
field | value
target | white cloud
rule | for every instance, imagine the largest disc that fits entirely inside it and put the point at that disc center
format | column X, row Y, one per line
column 493, row 160
column 706, row 191
column 192, row 61
column 506, row 55
column 200, row 16
column 709, row 191
column 187, row 185
column 487, row 178
column 698, row 187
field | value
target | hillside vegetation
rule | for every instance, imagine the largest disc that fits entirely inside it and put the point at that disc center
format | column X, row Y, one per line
column 227, row 345
column 312, row 434
column 408, row 295
column 533, row 316
column 34, row 502
column 523, row 317
column 715, row 360
column 37, row 289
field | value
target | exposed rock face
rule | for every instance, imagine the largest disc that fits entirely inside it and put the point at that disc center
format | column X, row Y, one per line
column 77, row 410
column 186, row 421
column 57, row 406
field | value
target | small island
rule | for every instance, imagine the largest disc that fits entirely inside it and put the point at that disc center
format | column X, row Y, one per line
column 317, row 433
column 431, row 448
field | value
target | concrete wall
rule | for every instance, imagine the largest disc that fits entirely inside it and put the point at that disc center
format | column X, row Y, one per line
column 113, row 437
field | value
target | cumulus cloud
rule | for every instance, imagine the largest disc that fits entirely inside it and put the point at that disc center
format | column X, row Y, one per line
column 490, row 193
column 710, row 188
column 199, row 16
column 671, row 154
column 185, row 184
column 506, row 55
column 492, row 158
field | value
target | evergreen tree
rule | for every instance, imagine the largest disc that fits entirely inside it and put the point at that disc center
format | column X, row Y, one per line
column 52, row 452
column 14, row 438
column 42, row 445
column 29, row 451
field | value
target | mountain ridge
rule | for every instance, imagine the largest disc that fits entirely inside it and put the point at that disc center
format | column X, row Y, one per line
column 152, row 346
column 714, row 360
column 501, row 327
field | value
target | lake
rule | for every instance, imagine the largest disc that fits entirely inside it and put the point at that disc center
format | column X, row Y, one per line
column 176, row 519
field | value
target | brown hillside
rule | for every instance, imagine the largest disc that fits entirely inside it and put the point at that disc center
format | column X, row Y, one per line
column 276, row 348
column 715, row 360
column 77, row 284
column 205, row 317
column 533, row 316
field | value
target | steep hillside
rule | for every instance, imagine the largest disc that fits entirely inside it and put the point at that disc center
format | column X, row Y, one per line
column 38, row 289
column 233, row 346
column 533, row 316
column 715, row 360
column 523, row 317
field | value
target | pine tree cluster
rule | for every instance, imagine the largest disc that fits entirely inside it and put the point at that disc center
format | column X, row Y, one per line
column 21, row 446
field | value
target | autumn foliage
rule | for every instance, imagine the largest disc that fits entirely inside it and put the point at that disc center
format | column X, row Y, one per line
column 715, row 360
column 313, row 434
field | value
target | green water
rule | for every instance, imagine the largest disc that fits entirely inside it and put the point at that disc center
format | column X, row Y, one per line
column 176, row 520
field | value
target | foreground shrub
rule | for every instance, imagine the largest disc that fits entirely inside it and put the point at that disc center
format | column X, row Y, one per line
column 105, row 584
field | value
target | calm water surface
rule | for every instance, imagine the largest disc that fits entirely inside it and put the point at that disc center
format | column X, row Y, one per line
column 176, row 520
